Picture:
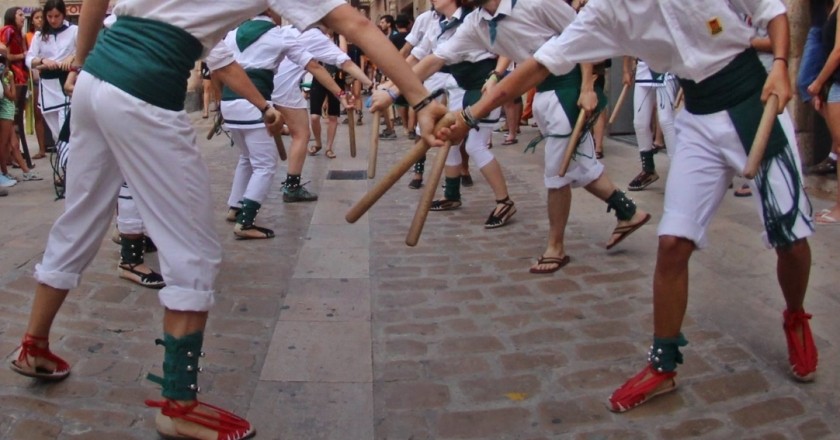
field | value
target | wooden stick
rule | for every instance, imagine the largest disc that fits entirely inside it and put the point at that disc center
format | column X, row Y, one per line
column 281, row 149
column 351, row 124
column 417, row 152
column 762, row 135
column 680, row 97
column 374, row 145
column 621, row 97
column 425, row 203
column 573, row 143
column 217, row 122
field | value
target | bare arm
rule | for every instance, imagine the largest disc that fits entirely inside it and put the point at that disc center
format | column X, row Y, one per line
column 627, row 67
column 588, row 100
column 90, row 22
column 356, row 72
column 778, row 81
column 234, row 76
column 406, row 49
column 325, row 79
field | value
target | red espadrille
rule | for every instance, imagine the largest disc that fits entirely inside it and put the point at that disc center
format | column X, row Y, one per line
column 33, row 349
column 802, row 353
column 203, row 417
column 641, row 388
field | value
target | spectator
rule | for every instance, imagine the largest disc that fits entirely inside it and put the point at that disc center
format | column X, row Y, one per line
column 829, row 78
column 37, row 23
column 12, row 36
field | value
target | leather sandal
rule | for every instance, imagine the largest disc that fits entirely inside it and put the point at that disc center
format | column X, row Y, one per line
column 239, row 229
column 152, row 280
column 802, row 353
column 38, row 347
column 445, row 205
column 499, row 217
column 645, row 385
column 228, row 425
column 624, row 231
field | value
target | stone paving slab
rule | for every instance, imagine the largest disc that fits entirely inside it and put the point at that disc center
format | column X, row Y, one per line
column 449, row 339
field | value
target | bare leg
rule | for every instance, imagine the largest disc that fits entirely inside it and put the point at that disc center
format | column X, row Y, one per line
column 513, row 111
column 493, row 173
column 332, row 126
column 793, row 269
column 670, row 285
column 559, row 205
column 299, row 131
column 316, row 129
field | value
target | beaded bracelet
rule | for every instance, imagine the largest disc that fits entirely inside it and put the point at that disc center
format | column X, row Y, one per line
column 427, row 100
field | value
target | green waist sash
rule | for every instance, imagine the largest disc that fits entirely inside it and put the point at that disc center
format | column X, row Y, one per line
column 736, row 89
column 147, row 59
column 471, row 77
column 263, row 80
column 567, row 89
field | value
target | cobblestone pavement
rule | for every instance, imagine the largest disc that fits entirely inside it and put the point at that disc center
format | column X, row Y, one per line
column 337, row 331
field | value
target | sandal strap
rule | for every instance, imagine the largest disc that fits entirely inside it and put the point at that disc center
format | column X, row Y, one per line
column 639, row 388
column 222, row 421
column 802, row 353
column 29, row 348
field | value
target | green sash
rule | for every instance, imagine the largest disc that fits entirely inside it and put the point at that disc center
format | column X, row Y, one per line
column 471, row 77
column 263, row 79
column 251, row 31
column 736, row 89
column 147, row 59
column 567, row 89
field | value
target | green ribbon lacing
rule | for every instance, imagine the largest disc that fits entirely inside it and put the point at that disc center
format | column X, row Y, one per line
column 587, row 127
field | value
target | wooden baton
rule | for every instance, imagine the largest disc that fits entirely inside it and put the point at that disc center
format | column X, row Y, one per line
column 762, row 135
column 621, row 97
column 374, row 145
column 351, row 125
column 573, row 143
column 425, row 203
column 417, row 152
column 680, row 97
column 281, row 149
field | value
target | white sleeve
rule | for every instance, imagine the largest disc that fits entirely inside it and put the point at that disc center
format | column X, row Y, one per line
column 761, row 11
column 303, row 15
column 292, row 45
column 324, row 50
column 458, row 48
column 220, row 56
column 34, row 50
column 589, row 38
column 418, row 31
column 425, row 47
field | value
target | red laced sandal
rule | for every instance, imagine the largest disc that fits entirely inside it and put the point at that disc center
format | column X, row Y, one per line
column 38, row 347
column 645, row 385
column 802, row 353
column 227, row 425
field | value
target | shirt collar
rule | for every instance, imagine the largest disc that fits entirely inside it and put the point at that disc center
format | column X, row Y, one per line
column 505, row 7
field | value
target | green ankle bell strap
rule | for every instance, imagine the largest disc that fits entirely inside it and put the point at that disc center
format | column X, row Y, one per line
column 180, row 366
column 664, row 354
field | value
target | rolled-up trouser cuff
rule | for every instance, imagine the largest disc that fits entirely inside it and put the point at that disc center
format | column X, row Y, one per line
column 186, row 300
column 56, row 279
column 681, row 226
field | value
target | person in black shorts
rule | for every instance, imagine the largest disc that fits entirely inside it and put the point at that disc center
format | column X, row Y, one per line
column 317, row 94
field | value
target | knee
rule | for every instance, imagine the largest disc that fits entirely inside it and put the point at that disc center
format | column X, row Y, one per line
column 797, row 249
column 675, row 250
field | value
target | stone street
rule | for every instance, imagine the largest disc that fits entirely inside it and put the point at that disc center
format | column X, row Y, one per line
column 340, row 331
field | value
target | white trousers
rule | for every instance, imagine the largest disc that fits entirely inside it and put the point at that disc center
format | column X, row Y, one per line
column 646, row 98
column 709, row 153
column 256, row 167
column 128, row 217
column 552, row 120
column 117, row 135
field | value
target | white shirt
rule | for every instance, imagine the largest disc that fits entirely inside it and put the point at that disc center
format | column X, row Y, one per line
column 56, row 47
column 434, row 38
column 291, row 72
column 209, row 21
column 524, row 29
column 692, row 40
column 265, row 53
column 421, row 26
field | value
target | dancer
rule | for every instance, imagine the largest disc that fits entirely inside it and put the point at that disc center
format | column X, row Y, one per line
column 516, row 29
column 472, row 72
column 653, row 92
column 259, row 45
column 289, row 99
column 724, row 85
column 115, row 99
